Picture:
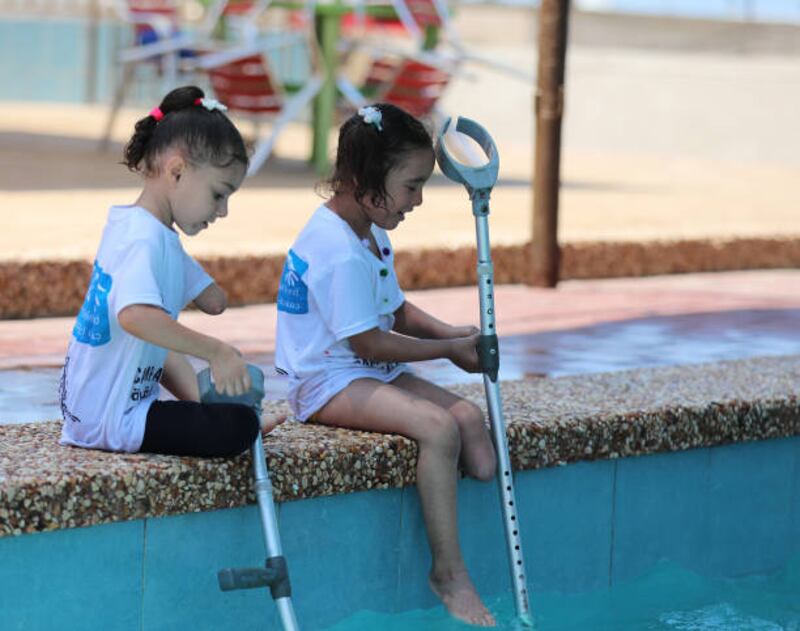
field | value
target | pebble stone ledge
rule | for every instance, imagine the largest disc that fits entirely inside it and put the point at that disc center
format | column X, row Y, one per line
column 45, row 486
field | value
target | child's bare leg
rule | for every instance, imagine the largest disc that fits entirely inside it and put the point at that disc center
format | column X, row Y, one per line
column 180, row 378
column 367, row 404
column 270, row 422
column 477, row 452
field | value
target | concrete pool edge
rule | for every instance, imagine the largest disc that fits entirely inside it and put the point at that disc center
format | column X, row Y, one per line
column 44, row 486
column 253, row 279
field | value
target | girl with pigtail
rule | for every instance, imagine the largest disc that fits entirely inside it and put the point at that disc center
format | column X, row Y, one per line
column 126, row 340
column 345, row 331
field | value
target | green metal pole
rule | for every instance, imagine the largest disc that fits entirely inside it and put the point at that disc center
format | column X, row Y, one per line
column 327, row 27
column 431, row 39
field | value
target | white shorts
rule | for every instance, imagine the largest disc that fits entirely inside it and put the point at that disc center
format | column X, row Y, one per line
column 309, row 395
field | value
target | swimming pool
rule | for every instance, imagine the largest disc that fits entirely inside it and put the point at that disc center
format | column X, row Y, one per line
column 667, row 598
column 706, row 539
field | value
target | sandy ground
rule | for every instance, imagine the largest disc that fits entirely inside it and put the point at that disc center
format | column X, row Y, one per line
column 660, row 142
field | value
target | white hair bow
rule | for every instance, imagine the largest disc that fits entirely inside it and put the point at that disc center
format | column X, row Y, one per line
column 372, row 116
column 213, row 104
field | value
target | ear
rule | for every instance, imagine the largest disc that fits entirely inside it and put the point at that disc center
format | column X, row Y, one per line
column 175, row 167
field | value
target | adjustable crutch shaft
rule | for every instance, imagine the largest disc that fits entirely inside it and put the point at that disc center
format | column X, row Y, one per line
column 479, row 181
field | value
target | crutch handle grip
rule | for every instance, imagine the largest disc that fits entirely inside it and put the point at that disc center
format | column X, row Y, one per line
column 489, row 355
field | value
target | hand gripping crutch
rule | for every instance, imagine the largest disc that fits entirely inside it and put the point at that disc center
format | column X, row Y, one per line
column 479, row 181
column 275, row 573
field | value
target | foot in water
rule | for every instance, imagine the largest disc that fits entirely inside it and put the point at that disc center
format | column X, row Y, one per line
column 461, row 599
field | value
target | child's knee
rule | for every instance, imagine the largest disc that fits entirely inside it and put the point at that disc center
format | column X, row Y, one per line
column 442, row 432
column 469, row 417
column 485, row 470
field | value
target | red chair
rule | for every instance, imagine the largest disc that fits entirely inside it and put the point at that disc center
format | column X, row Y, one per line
column 244, row 80
column 414, row 83
column 160, row 42
column 415, row 86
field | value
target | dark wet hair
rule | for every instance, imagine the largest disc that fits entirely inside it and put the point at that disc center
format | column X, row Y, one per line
column 366, row 154
column 207, row 136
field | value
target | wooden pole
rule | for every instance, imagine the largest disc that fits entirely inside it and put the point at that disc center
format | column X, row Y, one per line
column 549, row 105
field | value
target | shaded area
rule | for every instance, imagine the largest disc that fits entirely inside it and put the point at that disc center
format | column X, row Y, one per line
column 83, row 165
column 31, row 395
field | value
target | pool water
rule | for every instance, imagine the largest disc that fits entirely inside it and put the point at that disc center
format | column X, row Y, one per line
column 668, row 598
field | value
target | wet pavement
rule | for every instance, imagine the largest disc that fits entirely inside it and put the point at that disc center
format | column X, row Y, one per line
column 583, row 327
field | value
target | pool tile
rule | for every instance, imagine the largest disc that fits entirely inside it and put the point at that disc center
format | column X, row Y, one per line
column 182, row 556
column 795, row 533
column 660, row 512
column 483, row 536
column 414, row 560
column 566, row 525
column 82, row 578
column 482, row 541
column 748, row 480
column 335, row 541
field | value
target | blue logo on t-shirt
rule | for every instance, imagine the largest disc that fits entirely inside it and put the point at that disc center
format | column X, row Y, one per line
column 293, row 292
column 92, row 325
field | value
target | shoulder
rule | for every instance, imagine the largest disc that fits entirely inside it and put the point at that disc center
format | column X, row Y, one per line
column 325, row 239
column 135, row 241
column 133, row 224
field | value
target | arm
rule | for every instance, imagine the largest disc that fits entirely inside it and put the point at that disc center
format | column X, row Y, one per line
column 377, row 345
column 212, row 300
column 411, row 320
column 153, row 325
column 179, row 378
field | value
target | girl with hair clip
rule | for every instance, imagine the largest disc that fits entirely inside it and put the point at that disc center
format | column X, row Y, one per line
column 345, row 330
column 126, row 340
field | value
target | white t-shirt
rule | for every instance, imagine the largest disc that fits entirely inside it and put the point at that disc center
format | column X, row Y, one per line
column 110, row 377
column 332, row 288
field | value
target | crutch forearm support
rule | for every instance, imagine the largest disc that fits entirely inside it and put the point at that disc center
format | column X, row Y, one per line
column 275, row 574
column 479, row 181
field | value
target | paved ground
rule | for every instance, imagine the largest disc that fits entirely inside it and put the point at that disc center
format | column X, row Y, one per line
column 520, row 309
column 681, row 137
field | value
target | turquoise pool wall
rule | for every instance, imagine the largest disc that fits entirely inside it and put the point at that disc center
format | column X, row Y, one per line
column 724, row 511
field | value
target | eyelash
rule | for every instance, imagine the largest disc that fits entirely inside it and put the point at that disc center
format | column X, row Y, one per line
column 218, row 196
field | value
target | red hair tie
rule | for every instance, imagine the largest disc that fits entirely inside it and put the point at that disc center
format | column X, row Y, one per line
column 157, row 113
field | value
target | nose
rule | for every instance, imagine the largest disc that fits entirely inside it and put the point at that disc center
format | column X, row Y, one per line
column 417, row 201
column 222, row 211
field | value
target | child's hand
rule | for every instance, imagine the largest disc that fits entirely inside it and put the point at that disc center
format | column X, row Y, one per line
column 229, row 371
column 464, row 353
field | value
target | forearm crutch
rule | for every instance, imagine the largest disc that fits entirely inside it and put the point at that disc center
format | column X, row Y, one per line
column 275, row 573
column 479, row 181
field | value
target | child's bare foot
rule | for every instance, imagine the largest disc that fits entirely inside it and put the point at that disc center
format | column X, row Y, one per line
column 460, row 598
column 270, row 422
